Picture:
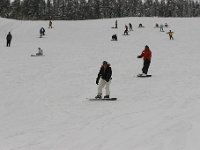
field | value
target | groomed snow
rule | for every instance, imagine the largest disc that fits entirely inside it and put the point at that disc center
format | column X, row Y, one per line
column 43, row 103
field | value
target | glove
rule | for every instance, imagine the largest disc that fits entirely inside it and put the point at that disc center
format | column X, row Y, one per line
column 97, row 81
column 139, row 56
column 107, row 80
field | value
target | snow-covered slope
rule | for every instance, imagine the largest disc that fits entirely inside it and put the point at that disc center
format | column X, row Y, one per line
column 43, row 103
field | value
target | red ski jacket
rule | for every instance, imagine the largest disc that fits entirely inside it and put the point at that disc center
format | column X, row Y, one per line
column 146, row 54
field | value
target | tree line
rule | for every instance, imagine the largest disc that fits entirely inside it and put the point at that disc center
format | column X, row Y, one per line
column 96, row 9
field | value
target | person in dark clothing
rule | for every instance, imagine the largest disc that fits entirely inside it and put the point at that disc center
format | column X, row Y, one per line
column 9, row 38
column 114, row 37
column 116, row 24
column 156, row 26
column 50, row 24
column 42, row 32
column 170, row 33
column 146, row 55
column 104, row 76
column 126, row 30
column 130, row 27
column 140, row 26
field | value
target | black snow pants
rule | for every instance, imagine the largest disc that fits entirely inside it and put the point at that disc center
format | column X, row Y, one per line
column 146, row 66
column 8, row 43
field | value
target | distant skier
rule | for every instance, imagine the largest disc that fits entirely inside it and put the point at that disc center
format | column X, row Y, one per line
column 126, row 30
column 166, row 25
column 130, row 27
column 146, row 55
column 50, row 24
column 104, row 76
column 161, row 28
column 9, row 38
column 42, row 32
column 140, row 26
column 114, row 37
column 116, row 24
column 170, row 33
column 156, row 26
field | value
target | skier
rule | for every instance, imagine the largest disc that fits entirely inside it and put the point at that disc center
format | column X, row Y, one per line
column 104, row 76
column 40, row 52
column 50, row 24
column 114, row 37
column 9, row 38
column 140, row 25
column 166, row 25
column 126, row 30
column 116, row 24
column 170, row 33
column 156, row 26
column 130, row 27
column 161, row 28
column 146, row 55
column 42, row 32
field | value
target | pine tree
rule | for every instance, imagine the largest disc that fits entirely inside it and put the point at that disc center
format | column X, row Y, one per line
column 171, row 8
column 155, row 11
column 16, row 10
column 148, row 8
column 4, row 8
column 49, row 9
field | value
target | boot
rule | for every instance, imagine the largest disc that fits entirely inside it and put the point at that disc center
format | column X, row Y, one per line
column 107, row 96
column 98, row 97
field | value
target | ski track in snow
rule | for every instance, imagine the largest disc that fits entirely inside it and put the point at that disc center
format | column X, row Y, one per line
column 43, row 103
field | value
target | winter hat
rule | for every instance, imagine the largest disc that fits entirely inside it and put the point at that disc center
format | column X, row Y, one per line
column 147, row 46
column 105, row 62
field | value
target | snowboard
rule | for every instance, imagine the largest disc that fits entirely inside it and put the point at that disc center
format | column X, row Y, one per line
column 36, row 55
column 103, row 99
column 141, row 76
column 125, row 34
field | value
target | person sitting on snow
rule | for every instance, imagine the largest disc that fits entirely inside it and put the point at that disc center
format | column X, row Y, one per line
column 140, row 26
column 40, row 52
column 114, row 37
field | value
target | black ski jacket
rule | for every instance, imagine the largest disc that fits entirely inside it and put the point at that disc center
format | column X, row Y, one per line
column 105, row 73
column 9, row 37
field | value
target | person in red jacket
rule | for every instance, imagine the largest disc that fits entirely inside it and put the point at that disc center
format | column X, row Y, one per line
column 146, row 55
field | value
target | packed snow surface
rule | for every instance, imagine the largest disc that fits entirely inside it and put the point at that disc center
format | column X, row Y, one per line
column 43, row 100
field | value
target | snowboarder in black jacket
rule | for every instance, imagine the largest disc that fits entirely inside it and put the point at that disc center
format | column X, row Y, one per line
column 104, row 76
column 9, row 38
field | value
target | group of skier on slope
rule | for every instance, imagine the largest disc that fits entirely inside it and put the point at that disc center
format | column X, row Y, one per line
column 42, row 33
column 130, row 28
column 105, row 74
